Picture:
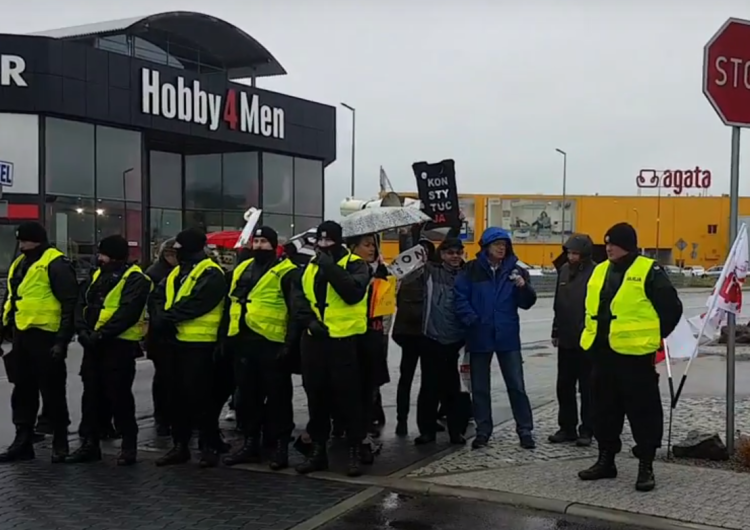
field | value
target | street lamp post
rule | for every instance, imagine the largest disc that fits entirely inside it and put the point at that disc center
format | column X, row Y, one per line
column 354, row 141
column 564, row 190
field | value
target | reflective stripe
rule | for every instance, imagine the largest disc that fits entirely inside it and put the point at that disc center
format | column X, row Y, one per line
column 112, row 303
column 36, row 305
column 342, row 319
column 266, row 311
column 635, row 328
column 205, row 328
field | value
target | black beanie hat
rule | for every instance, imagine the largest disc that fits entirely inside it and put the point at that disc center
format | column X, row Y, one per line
column 32, row 232
column 115, row 247
column 451, row 243
column 330, row 230
column 268, row 233
column 191, row 241
column 624, row 236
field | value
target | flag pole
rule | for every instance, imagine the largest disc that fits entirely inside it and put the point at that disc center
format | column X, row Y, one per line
column 672, row 402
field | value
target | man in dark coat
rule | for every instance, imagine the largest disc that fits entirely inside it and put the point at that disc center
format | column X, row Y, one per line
column 573, row 364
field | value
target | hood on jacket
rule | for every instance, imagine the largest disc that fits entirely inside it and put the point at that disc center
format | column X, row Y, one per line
column 492, row 234
column 580, row 243
column 166, row 247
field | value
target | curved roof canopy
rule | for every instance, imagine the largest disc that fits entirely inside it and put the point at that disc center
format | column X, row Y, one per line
column 241, row 55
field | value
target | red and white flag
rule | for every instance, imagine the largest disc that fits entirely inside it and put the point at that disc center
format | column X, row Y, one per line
column 726, row 297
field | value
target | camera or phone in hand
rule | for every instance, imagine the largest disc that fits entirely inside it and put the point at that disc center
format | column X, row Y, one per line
column 514, row 275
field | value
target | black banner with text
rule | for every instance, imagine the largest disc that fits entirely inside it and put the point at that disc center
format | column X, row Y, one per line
column 436, row 184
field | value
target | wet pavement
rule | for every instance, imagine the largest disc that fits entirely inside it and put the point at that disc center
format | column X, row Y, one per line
column 396, row 511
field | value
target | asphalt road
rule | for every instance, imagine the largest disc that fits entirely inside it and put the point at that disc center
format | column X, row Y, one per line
column 395, row 511
column 535, row 328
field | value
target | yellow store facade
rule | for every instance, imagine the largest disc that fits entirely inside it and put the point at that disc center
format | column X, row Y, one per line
column 676, row 229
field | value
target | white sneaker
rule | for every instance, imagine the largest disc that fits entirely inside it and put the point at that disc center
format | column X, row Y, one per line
column 230, row 416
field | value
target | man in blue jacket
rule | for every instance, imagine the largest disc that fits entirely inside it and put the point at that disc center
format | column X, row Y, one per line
column 488, row 293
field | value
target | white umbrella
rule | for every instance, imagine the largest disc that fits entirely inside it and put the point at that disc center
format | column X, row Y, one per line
column 305, row 242
column 375, row 220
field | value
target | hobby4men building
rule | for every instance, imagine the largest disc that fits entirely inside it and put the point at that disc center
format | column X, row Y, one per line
column 136, row 127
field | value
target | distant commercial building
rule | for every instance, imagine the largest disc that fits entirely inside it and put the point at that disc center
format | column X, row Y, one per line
column 136, row 127
column 687, row 230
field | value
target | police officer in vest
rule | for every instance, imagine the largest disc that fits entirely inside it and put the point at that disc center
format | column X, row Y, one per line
column 110, row 322
column 332, row 306
column 259, row 333
column 630, row 306
column 191, row 315
column 38, row 312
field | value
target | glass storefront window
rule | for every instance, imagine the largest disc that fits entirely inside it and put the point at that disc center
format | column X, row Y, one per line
column 165, row 224
column 71, row 225
column 165, row 174
column 303, row 223
column 283, row 224
column 7, row 247
column 308, row 187
column 240, row 181
column 234, row 219
column 69, row 162
column 110, row 219
column 208, row 221
column 118, row 164
column 203, row 182
column 278, row 184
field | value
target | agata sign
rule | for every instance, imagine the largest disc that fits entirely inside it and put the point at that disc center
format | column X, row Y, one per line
column 676, row 180
column 187, row 101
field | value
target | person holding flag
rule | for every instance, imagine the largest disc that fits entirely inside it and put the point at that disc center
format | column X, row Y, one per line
column 630, row 307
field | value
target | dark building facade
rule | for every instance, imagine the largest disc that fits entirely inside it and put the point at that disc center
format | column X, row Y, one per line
column 136, row 127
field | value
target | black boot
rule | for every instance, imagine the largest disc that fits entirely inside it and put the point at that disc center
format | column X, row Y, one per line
column 22, row 447
column 584, row 439
column 353, row 466
column 402, row 428
column 128, row 451
column 88, row 451
column 209, row 457
column 646, row 480
column 366, row 456
column 179, row 454
column 563, row 436
column 60, row 447
column 280, row 458
column 316, row 461
column 249, row 453
column 603, row 468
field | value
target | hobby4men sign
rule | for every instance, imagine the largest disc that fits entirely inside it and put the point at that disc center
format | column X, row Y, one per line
column 187, row 101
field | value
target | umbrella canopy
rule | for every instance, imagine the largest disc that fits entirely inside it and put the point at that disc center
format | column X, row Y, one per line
column 225, row 239
column 305, row 242
column 375, row 220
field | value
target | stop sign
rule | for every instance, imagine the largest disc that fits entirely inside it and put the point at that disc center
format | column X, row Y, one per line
column 726, row 72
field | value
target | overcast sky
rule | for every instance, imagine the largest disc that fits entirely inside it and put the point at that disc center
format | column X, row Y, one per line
column 496, row 85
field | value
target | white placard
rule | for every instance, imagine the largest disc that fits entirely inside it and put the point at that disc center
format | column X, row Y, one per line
column 252, row 216
column 408, row 261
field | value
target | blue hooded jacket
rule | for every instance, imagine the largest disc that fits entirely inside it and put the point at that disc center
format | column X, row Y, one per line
column 487, row 301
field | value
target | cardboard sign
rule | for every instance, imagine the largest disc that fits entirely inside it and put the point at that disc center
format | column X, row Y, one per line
column 436, row 184
column 383, row 300
column 408, row 261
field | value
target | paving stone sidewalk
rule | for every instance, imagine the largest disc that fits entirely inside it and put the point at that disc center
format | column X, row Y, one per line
column 686, row 493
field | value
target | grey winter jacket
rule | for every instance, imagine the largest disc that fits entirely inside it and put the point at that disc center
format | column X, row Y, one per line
column 439, row 321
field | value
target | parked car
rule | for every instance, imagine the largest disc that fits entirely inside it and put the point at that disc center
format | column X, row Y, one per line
column 694, row 272
column 714, row 272
column 672, row 269
column 531, row 269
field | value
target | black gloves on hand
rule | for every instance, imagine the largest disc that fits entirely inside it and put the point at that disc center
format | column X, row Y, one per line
column 318, row 329
column 59, row 352
column 88, row 339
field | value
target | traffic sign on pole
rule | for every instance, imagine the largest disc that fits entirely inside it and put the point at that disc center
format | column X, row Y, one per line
column 726, row 72
column 726, row 84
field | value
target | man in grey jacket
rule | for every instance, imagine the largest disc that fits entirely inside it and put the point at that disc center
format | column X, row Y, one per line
column 444, row 337
column 573, row 364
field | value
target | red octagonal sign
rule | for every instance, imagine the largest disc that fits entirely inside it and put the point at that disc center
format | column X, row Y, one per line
column 726, row 72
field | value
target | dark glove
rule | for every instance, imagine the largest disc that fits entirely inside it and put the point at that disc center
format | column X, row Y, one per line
column 325, row 258
column 318, row 329
column 59, row 352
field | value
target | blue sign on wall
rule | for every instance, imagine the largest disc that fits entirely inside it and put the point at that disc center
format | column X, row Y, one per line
column 6, row 174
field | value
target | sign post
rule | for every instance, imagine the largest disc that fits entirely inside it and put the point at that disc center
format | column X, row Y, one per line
column 726, row 85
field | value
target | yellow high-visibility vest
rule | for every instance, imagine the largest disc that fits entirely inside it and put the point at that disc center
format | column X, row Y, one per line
column 266, row 312
column 112, row 304
column 635, row 327
column 36, row 305
column 342, row 319
column 205, row 328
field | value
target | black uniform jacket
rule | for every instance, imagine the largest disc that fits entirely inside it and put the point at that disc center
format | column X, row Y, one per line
column 350, row 284
column 570, row 303
column 64, row 285
column 133, row 300
column 659, row 291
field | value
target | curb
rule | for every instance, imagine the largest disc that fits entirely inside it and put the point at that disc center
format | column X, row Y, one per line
column 573, row 509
